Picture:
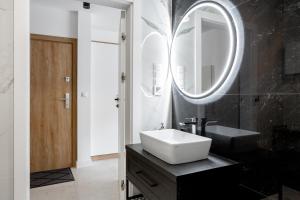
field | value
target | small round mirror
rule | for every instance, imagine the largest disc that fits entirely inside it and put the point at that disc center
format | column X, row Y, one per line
column 204, row 51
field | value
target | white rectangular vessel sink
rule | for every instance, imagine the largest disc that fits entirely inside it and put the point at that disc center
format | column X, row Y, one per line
column 175, row 147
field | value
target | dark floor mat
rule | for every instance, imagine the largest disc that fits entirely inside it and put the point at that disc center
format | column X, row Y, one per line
column 40, row 179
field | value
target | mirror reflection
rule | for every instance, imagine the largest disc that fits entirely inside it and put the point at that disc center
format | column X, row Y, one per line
column 202, row 50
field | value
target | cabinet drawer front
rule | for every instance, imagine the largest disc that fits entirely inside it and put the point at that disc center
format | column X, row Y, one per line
column 150, row 180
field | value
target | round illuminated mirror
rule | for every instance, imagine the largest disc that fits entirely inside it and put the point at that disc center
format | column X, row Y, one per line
column 207, row 51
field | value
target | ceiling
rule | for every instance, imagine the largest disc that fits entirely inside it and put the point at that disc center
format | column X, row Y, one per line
column 77, row 4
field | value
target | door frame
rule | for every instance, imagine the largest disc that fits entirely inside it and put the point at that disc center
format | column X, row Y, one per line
column 123, row 99
column 21, row 99
column 73, row 42
column 21, row 188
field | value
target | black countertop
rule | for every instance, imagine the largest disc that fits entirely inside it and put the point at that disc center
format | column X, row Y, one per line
column 213, row 162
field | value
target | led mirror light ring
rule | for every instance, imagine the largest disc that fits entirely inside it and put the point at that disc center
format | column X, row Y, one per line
column 236, row 34
column 232, row 35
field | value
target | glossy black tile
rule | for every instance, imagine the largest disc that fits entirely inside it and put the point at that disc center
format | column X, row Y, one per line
column 266, row 95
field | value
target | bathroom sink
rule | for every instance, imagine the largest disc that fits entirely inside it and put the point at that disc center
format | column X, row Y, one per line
column 233, row 140
column 174, row 146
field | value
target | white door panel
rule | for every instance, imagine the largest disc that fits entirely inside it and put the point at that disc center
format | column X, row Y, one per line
column 104, row 89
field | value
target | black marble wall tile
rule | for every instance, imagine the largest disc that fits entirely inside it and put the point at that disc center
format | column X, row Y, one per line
column 262, row 86
column 266, row 95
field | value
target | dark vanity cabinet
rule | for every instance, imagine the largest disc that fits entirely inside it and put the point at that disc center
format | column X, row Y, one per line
column 213, row 178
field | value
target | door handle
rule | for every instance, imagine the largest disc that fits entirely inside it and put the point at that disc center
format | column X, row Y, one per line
column 67, row 100
column 146, row 179
column 117, row 99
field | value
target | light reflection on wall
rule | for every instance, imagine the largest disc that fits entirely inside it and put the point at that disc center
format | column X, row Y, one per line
column 156, row 38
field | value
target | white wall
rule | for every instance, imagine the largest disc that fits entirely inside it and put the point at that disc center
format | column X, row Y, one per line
column 84, row 89
column 56, row 20
column 148, row 110
column 47, row 20
column 104, row 29
column 6, row 99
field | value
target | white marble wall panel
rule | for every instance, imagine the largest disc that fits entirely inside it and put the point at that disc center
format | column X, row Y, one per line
column 156, row 38
column 6, row 4
column 6, row 99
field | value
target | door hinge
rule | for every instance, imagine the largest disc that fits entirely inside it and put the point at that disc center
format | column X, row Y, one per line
column 123, row 36
column 122, row 185
column 123, row 77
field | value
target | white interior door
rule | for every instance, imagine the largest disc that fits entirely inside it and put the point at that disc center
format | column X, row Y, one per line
column 108, row 84
column 104, row 90
column 122, row 92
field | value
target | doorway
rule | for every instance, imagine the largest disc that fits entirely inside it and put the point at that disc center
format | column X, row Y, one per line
column 58, row 96
column 104, row 90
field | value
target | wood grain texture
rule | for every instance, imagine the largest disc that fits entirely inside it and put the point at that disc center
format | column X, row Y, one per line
column 105, row 157
column 53, row 138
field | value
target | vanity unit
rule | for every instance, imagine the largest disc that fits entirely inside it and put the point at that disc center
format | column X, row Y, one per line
column 212, row 178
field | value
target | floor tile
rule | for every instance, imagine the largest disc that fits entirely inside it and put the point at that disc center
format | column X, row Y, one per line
column 97, row 182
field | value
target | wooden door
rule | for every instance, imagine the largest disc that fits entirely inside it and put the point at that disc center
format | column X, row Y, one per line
column 52, row 121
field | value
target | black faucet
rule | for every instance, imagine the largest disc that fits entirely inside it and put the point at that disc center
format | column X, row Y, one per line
column 204, row 123
column 190, row 121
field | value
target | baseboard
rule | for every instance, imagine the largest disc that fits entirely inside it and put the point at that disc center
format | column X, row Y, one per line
column 105, row 157
column 87, row 163
column 83, row 163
